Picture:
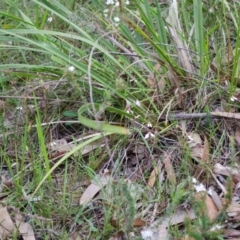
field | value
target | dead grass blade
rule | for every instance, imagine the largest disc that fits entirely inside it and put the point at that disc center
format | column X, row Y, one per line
column 181, row 47
column 226, row 115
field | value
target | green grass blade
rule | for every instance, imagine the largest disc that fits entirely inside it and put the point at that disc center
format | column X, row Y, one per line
column 199, row 38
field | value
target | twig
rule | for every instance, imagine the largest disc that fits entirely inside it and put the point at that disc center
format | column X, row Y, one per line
column 183, row 116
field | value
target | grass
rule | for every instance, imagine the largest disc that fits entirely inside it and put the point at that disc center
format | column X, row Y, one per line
column 115, row 78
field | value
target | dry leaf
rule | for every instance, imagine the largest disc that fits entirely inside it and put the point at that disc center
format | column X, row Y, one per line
column 176, row 218
column 7, row 226
column 231, row 233
column 237, row 136
column 210, row 208
column 195, row 144
column 94, row 188
column 59, row 147
column 151, row 78
column 215, row 198
column 75, row 236
column 24, row 228
column 154, row 174
column 194, row 139
column 138, row 223
column 225, row 170
column 169, row 169
column 118, row 236
column 204, row 158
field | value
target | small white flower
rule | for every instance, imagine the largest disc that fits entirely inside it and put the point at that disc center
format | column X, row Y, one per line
column 149, row 125
column 19, row 108
column 127, row 2
column 147, row 234
column 138, row 103
column 71, row 68
column 110, row 2
column 200, row 188
column 129, row 111
column 49, row 19
column 211, row 10
column 105, row 12
column 190, row 138
column 210, row 191
column 116, row 19
column 215, row 228
column 52, row 144
column 149, row 135
column 233, row 98
column 194, row 180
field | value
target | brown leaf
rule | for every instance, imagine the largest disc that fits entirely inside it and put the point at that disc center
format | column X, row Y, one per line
column 176, row 218
column 169, row 169
column 210, row 208
column 237, row 136
column 118, row 236
column 93, row 189
column 59, row 147
column 24, row 228
column 138, row 223
column 224, row 170
column 7, row 226
column 154, row 174
column 231, row 233
column 215, row 198
column 204, row 158
column 151, row 78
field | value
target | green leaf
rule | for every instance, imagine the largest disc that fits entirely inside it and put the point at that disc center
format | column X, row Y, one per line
column 98, row 125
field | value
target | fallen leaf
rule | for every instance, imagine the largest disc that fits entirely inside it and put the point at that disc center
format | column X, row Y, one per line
column 151, row 77
column 94, row 188
column 24, row 228
column 215, row 198
column 195, row 145
column 231, row 233
column 237, row 136
column 59, row 147
column 118, row 236
column 176, row 218
column 169, row 169
column 7, row 226
column 138, row 223
column 154, row 174
column 224, row 170
column 75, row 236
column 210, row 208
column 204, row 158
